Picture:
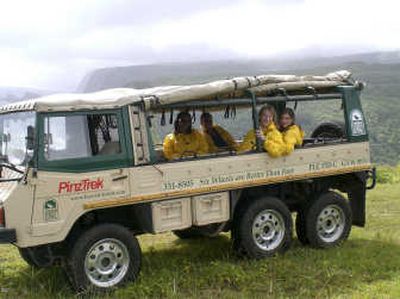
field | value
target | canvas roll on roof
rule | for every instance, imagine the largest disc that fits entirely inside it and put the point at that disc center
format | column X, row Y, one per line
column 164, row 95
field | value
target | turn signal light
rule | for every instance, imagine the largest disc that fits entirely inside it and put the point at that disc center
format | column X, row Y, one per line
column 2, row 221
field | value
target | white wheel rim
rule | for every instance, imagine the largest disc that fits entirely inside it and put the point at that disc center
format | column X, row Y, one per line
column 330, row 223
column 268, row 230
column 107, row 262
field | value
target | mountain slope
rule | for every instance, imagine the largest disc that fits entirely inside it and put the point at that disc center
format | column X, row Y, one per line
column 141, row 76
column 13, row 94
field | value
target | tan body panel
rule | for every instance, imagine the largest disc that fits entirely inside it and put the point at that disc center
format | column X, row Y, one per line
column 52, row 225
column 169, row 180
column 58, row 205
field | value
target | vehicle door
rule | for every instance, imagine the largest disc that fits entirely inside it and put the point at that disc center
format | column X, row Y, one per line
column 83, row 156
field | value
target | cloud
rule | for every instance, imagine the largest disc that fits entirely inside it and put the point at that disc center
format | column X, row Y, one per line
column 52, row 44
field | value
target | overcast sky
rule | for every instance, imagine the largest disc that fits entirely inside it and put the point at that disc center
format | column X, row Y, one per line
column 52, row 44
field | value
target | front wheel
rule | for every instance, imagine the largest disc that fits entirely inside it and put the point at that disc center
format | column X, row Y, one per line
column 37, row 257
column 328, row 221
column 262, row 229
column 103, row 258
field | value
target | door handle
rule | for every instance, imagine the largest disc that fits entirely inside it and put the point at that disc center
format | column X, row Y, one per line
column 118, row 178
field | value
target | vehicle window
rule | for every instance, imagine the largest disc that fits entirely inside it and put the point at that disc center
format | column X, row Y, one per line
column 80, row 136
column 13, row 136
column 320, row 119
column 236, row 121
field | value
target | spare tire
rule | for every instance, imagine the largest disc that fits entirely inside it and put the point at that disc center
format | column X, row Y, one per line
column 329, row 130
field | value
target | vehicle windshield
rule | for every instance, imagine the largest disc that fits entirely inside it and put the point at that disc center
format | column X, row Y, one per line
column 13, row 137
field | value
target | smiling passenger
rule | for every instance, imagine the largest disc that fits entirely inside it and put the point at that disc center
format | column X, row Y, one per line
column 292, row 134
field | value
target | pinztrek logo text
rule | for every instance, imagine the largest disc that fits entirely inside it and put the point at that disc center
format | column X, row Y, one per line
column 83, row 185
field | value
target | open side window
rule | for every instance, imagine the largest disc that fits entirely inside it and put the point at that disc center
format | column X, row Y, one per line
column 321, row 116
column 234, row 120
column 82, row 141
column 323, row 122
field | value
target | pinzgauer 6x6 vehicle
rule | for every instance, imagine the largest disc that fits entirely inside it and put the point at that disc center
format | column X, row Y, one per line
column 83, row 174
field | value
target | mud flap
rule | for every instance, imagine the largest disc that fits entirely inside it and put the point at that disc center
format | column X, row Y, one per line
column 357, row 196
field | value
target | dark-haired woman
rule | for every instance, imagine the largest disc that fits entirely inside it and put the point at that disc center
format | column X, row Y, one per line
column 292, row 134
column 184, row 141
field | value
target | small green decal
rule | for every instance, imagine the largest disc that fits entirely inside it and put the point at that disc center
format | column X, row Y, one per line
column 50, row 211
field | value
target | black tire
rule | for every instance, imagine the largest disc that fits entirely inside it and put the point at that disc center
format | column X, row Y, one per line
column 101, row 248
column 206, row 231
column 262, row 228
column 36, row 257
column 26, row 256
column 331, row 130
column 328, row 221
column 301, row 226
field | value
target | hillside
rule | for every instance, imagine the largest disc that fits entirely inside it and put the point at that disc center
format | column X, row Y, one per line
column 381, row 103
column 141, row 76
column 381, row 72
column 13, row 94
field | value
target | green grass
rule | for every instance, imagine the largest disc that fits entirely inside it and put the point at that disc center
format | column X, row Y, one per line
column 366, row 266
column 388, row 174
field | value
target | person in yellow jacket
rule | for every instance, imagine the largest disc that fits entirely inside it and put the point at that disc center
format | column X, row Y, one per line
column 270, row 136
column 218, row 139
column 292, row 134
column 184, row 141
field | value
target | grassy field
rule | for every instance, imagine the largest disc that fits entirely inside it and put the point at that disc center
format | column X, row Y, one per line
column 366, row 266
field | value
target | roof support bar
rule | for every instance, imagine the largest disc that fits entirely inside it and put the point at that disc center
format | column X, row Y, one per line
column 255, row 119
column 248, row 101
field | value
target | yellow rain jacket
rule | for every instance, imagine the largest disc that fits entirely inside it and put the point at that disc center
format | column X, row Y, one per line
column 181, row 145
column 276, row 143
column 273, row 144
column 231, row 143
column 292, row 136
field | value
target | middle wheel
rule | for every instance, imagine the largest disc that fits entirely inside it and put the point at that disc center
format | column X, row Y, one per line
column 206, row 231
column 262, row 228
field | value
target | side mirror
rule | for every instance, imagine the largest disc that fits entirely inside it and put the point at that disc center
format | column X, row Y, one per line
column 30, row 138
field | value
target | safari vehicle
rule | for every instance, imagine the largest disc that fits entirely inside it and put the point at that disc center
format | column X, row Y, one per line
column 83, row 174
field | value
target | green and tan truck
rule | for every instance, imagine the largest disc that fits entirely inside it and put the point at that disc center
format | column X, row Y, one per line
column 83, row 174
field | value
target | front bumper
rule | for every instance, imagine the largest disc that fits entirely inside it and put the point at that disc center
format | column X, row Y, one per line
column 7, row 235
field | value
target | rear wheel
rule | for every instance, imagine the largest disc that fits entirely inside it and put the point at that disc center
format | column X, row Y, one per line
column 328, row 221
column 262, row 228
column 103, row 258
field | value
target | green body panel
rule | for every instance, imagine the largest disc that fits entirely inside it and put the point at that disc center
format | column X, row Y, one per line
column 352, row 109
column 87, row 164
column 152, row 153
column 127, row 135
column 34, row 161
